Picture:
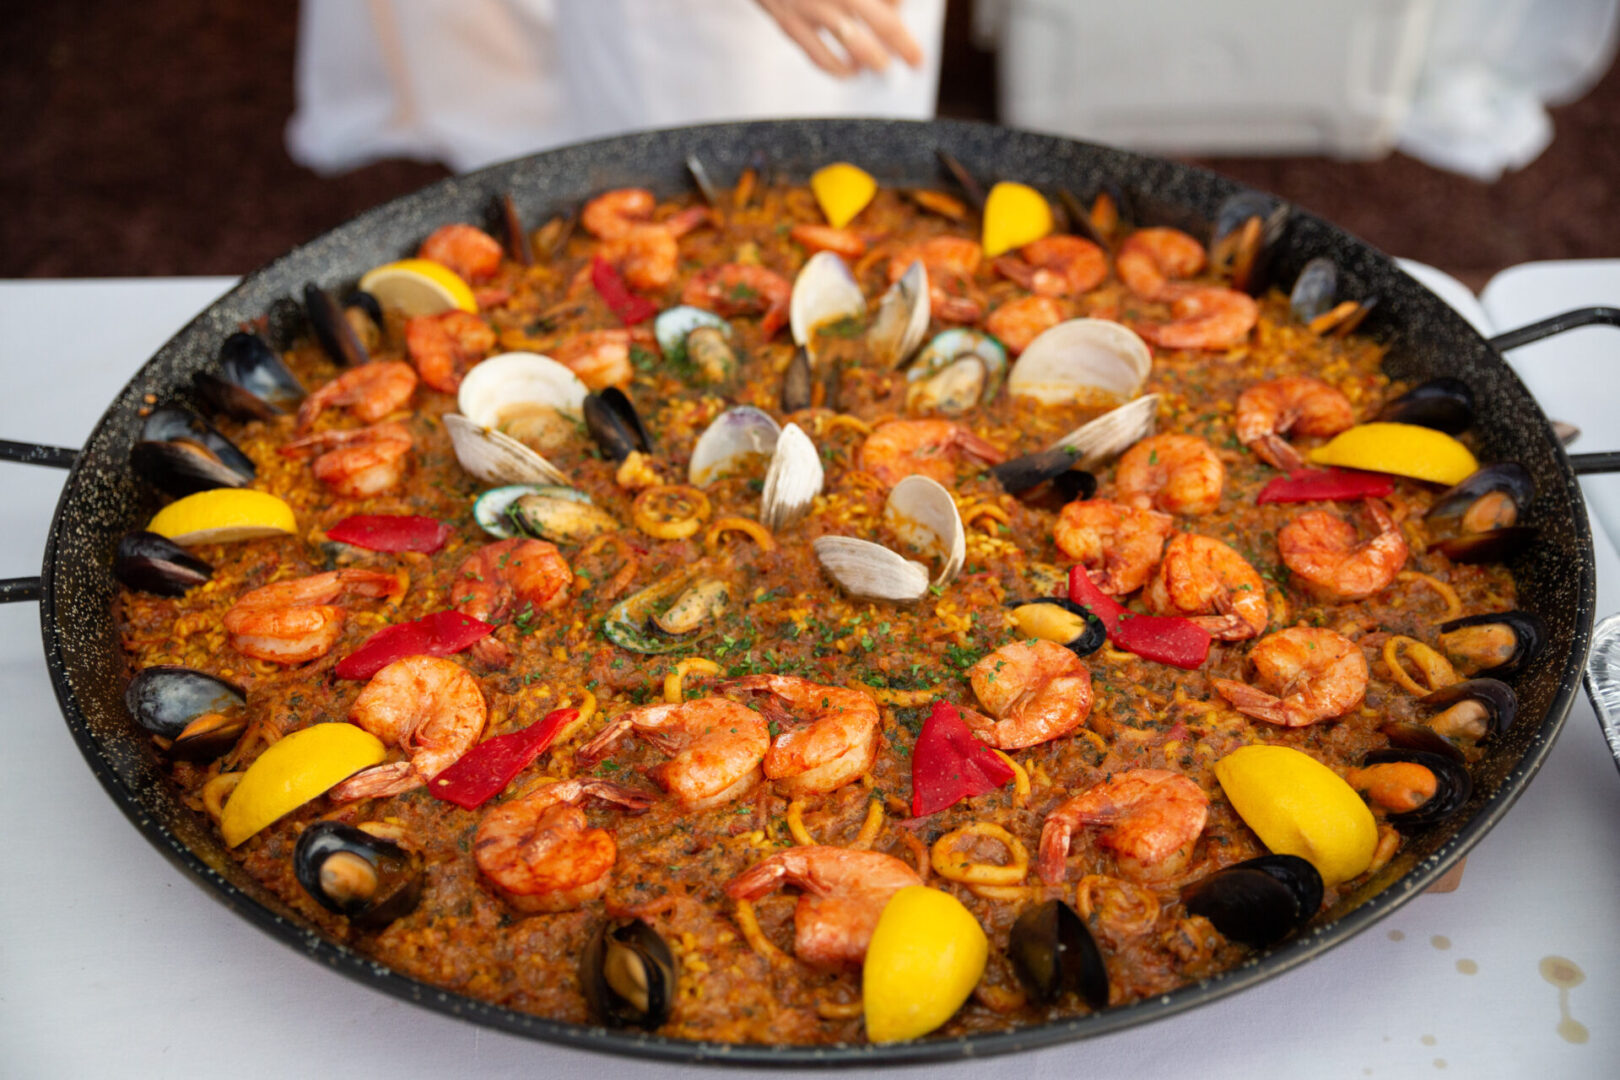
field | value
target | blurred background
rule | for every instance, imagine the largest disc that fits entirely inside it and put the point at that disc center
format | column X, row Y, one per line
column 152, row 139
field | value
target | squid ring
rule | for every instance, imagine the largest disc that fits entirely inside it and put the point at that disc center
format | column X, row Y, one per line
column 956, row 867
column 670, row 511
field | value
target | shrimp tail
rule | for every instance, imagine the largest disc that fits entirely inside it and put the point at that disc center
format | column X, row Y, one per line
column 1277, row 452
column 1258, row 704
column 620, row 795
column 492, row 653
column 602, row 742
column 1054, row 851
column 392, row 778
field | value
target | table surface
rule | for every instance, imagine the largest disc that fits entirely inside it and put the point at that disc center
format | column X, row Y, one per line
column 112, row 962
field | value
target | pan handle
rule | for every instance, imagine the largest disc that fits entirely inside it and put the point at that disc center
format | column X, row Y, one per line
column 18, row 590
column 1603, row 680
column 1607, row 461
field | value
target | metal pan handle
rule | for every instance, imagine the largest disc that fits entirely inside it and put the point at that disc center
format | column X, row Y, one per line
column 1603, row 680
column 1606, row 461
column 17, row 590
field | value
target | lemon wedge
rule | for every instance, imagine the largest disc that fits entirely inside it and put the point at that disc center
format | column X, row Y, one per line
column 1014, row 215
column 293, row 771
column 419, row 287
column 1403, row 449
column 223, row 515
column 843, row 191
column 1298, row 806
column 925, row 958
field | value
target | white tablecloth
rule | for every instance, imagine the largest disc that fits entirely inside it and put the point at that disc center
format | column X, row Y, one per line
column 114, row 964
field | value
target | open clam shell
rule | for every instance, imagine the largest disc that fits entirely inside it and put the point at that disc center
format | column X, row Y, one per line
column 956, row 371
column 923, row 514
column 673, row 325
column 825, row 291
column 1082, row 357
column 871, row 571
column 902, row 317
column 735, row 436
column 1112, row 433
column 793, row 481
column 505, row 387
column 495, row 457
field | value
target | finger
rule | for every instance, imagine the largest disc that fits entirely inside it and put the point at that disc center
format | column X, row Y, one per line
column 806, row 37
column 890, row 29
column 858, row 42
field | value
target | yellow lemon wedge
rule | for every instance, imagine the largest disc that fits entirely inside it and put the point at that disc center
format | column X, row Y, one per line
column 419, row 287
column 1014, row 215
column 223, row 515
column 926, row 956
column 843, row 191
column 1403, row 449
column 293, row 771
column 1298, row 806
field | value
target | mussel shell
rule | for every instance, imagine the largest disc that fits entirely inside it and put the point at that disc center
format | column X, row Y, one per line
column 1500, row 702
column 1258, row 901
column 147, row 562
column 1054, row 953
column 511, row 228
column 708, row 352
column 1420, row 737
column 1508, row 477
column 1451, row 791
column 1497, row 545
column 1529, row 636
column 360, row 300
column 562, row 518
column 1315, row 290
column 1251, row 273
column 798, row 382
column 332, row 329
column 951, row 391
column 182, row 454
column 252, row 384
column 1023, row 473
column 1082, row 638
column 628, row 975
column 1444, row 404
column 614, row 423
column 703, row 601
column 166, row 700
column 631, row 625
column 175, row 423
column 395, row 891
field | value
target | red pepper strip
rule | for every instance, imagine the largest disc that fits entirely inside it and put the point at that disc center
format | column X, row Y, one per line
column 1312, row 485
column 391, row 532
column 484, row 771
column 629, row 307
column 949, row 764
column 439, row 634
column 1161, row 638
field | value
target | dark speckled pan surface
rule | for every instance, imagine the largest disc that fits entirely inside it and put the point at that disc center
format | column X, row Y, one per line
column 101, row 501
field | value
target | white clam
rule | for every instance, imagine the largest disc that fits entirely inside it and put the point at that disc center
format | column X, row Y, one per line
column 506, row 386
column 793, row 481
column 871, row 571
column 1112, row 433
column 902, row 317
column 923, row 514
column 674, row 324
column 825, row 291
column 1080, row 356
column 735, row 436
column 497, row 458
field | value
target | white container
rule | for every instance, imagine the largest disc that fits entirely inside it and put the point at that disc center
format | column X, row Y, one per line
column 1235, row 77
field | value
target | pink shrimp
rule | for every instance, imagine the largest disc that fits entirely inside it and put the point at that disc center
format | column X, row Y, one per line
column 509, row 578
column 1207, row 582
column 1298, row 404
column 845, row 242
column 1020, row 321
column 1056, row 266
column 1150, row 819
column 1036, row 691
column 1118, row 545
column 1179, row 474
column 902, row 448
column 1203, row 318
column 829, row 734
column 1149, row 258
column 644, row 250
column 601, row 358
column 1324, row 551
column 1305, row 674
column 742, row 289
column 716, row 746
column 472, row 253
column 295, row 621
column 370, row 392
column 427, row 706
column 360, row 462
column 444, row 346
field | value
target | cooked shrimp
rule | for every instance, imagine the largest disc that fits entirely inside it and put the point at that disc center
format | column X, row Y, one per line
column 612, row 214
column 1035, row 690
column 1269, row 410
column 829, row 734
column 509, row 578
column 601, row 358
column 648, row 254
column 1019, row 322
column 716, row 747
column 472, row 253
column 1179, row 474
column 444, row 346
column 1203, row 318
column 427, row 706
column 359, row 462
column 290, row 622
column 1323, row 549
column 903, row 448
column 1056, row 266
column 951, row 262
column 1207, row 582
column 1150, row 819
column 1149, row 258
column 370, row 392
column 1304, row 674
column 741, row 289
column 845, row 242
column 1118, row 545
column 843, row 894
column 539, row 850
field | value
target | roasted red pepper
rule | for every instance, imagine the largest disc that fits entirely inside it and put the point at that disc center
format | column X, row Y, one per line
column 1312, row 485
column 484, row 771
column 629, row 307
column 1161, row 638
column 391, row 532
column 439, row 634
column 949, row 764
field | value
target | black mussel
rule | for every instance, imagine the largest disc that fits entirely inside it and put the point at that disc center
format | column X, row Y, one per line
column 798, row 383
column 1444, row 404
column 509, row 226
column 551, row 239
column 1247, row 227
column 1497, row 644
column 1054, row 618
column 351, row 872
column 367, row 304
column 1053, row 952
column 614, row 423
column 1025, row 473
column 332, row 328
column 252, row 383
column 201, row 715
column 182, row 453
column 1100, row 220
column 1472, row 709
column 1258, row 901
column 832, row 384
column 1407, row 736
column 628, row 974
column 1416, row 787
column 1498, row 545
column 967, row 181
column 1493, row 497
column 1315, row 290
column 147, row 562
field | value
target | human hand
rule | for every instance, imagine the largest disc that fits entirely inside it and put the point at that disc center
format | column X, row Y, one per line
column 868, row 30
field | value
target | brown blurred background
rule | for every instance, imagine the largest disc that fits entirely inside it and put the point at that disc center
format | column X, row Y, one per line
column 146, row 139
